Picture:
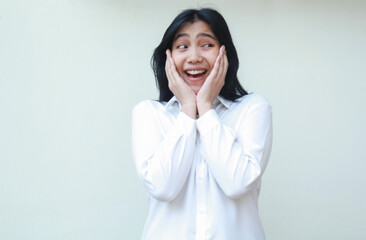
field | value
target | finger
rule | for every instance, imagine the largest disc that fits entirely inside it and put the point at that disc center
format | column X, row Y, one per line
column 216, row 67
column 175, row 78
column 221, row 63
column 169, row 55
column 174, row 71
column 221, row 53
column 221, row 75
column 169, row 69
column 171, row 62
column 169, row 58
column 225, row 67
column 168, row 65
column 226, row 62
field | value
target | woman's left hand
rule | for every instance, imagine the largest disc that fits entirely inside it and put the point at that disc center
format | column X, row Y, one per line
column 213, row 84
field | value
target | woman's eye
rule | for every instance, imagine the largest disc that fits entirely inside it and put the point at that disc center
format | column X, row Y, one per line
column 182, row 46
column 208, row 45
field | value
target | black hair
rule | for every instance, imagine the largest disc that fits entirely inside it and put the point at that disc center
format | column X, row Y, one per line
column 232, row 89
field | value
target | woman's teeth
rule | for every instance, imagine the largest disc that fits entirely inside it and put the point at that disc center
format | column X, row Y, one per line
column 195, row 72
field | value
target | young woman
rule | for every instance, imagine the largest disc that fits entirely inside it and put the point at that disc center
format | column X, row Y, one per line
column 201, row 150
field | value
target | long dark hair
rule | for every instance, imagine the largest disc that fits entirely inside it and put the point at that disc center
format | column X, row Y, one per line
column 232, row 89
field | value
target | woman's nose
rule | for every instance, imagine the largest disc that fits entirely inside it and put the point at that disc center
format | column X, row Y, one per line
column 194, row 56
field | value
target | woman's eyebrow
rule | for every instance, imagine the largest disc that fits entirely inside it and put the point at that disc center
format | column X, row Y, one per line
column 181, row 35
column 198, row 35
column 206, row 35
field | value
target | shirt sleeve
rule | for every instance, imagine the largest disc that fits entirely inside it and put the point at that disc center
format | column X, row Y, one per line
column 163, row 157
column 237, row 159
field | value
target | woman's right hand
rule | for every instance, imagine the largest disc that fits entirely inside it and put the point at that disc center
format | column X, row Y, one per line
column 179, row 88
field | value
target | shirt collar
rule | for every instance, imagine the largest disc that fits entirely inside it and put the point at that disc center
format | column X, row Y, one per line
column 172, row 102
column 223, row 101
column 217, row 101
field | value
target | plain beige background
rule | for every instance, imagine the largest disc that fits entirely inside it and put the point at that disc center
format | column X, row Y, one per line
column 71, row 71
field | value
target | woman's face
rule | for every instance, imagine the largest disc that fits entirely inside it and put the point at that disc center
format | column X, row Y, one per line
column 194, row 50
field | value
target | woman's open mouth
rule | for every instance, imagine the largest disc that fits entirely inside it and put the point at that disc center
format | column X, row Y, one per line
column 195, row 75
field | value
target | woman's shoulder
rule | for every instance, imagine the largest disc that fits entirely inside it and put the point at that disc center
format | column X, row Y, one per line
column 148, row 105
column 254, row 99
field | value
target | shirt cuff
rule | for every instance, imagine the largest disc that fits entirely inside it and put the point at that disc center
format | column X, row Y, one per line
column 186, row 124
column 207, row 122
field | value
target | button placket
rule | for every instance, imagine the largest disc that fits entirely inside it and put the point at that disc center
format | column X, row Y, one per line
column 201, row 196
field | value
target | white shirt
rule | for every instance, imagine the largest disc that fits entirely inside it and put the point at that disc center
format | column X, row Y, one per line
column 203, row 176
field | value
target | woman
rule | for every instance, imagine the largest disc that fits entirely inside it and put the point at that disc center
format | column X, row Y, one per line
column 202, row 148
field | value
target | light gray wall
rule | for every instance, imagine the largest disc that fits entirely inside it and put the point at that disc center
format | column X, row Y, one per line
column 71, row 71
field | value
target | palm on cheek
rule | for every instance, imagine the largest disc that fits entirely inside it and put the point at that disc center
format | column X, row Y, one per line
column 179, row 88
column 213, row 84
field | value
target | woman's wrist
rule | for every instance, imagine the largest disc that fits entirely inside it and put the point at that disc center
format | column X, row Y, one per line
column 204, row 107
column 190, row 110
